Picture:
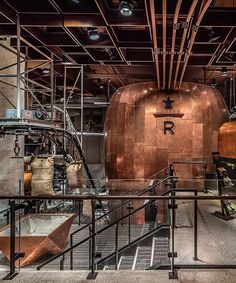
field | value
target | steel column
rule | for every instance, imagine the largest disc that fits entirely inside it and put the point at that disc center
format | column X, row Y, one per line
column 18, row 99
column 93, row 274
column 82, row 105
column 195, row 257
column 116, row 246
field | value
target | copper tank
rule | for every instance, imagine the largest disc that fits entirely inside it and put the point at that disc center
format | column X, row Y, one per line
column 137, row 145
column 227, row 140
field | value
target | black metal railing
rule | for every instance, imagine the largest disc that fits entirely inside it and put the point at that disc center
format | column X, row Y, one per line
column 14, row 256
column 170, row 177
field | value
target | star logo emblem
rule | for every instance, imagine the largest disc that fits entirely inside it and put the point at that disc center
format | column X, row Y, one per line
column 168, row 103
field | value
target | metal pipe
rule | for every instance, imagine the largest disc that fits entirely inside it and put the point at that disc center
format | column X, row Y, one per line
column 116, row 246
column 9, row 84
column 154, row 32
column 18, row 98
column 71, row 253
column 35, row 48
column 195, row 257
column 35, row 97
column 52, row 86
column 230, row 93
column 186, row 25
column 234, row 97
column 82, row 106
column 8, row 100
column 64, row 98
column 129, row 231
column 8, row 76
column 175, row 27
column 13, row 51
column 37, row 84
column 93, row 274
column 193, row 35
column 172, row 274
column 12, row 238
column 11, row 65
column 73, row 88
column 164, row 41
column 119, row 197
column 38, row 66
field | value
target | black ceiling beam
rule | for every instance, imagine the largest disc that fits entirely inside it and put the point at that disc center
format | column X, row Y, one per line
column 121, row 76
column 59, row 20
column 219, row 18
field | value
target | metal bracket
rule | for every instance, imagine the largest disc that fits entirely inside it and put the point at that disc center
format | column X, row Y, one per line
column 98, row 255
column 195, row 28
column 129, row 207
column 173, row 275
column 176, row 26
column 185, row 25
column 170, row 206
column 170, row 254
column 92, row 275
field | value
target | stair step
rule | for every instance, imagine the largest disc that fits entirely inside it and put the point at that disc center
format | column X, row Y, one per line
column 143, row 257
column 160, row 250
column 126, row 263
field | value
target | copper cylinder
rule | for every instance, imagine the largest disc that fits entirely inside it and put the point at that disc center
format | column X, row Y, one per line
column 227, row 140
column 136, row 146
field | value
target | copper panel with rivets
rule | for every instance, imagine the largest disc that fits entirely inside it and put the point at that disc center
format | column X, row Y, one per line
column 197, row 112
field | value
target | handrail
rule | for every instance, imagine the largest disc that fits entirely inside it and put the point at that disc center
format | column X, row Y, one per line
column 156, row 229
column 122, row 204
column 130, row 197
column 159, row 172
column 96, row 233
column 108, row 226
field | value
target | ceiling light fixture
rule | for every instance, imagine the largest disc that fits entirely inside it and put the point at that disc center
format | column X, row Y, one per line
column 126, row 8
column 45, row 71
column 93, row 34
column 213, row 83
column 224, row 72
column 109, row 53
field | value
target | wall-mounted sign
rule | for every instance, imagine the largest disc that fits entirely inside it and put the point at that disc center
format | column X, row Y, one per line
column 168, row 126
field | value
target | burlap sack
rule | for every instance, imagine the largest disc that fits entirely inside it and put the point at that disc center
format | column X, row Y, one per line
column 42, row 176
column 74, row 175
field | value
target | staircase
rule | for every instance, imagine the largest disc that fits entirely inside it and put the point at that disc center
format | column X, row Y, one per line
column 145, row 256
column 154, row 250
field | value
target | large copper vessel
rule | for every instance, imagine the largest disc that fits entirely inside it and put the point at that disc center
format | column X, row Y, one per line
column 146, row 129
column 227, row 140
column 39, row 234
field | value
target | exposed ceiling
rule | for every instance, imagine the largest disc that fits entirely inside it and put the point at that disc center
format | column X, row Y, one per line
column 128, row 47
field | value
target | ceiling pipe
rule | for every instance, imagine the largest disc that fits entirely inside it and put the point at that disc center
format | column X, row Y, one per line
column 193, row 35
column 148, row 20
column 175, row 23
column 164, row 41
column 186, row 25
column 154, row 35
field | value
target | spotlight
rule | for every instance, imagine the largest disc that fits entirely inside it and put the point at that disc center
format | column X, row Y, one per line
column 212, row 35
column 93, row 34
column 126, row 8
column 99, row 83
column 213, row 83
column 224, row 72
column 75, row 1
column 45, row 71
